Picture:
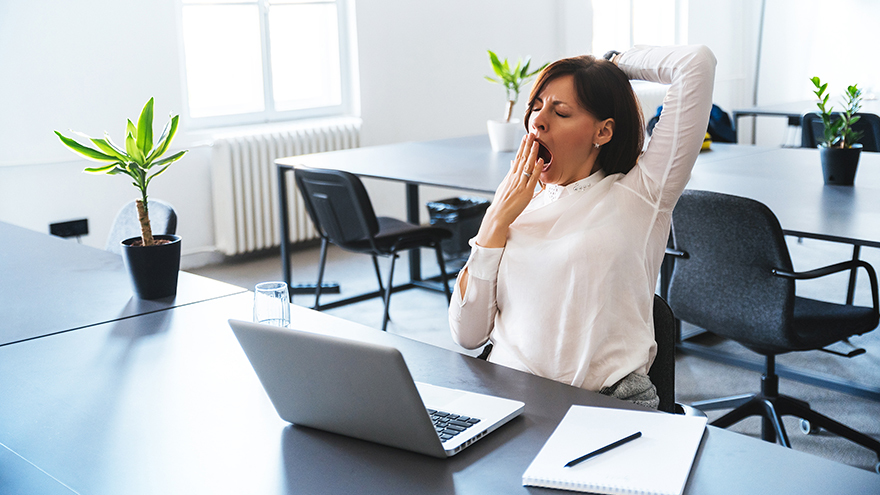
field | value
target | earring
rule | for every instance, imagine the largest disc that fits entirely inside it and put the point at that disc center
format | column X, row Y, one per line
column 597, row 145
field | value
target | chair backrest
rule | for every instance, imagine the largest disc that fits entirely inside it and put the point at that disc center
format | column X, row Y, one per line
column 662, row 371
column 163, row 220
column 725, row 284
column 338, row 205
column 812, row 131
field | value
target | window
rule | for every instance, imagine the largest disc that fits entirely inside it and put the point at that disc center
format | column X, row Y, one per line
column 620, row 24
column 250, row 61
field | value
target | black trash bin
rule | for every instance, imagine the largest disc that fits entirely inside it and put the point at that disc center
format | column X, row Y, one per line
column 462, row 216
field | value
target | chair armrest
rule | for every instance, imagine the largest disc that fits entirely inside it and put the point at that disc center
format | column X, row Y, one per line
column 838, row 267
column 676, row 253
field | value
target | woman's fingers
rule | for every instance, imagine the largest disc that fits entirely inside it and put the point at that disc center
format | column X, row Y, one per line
column 522, row 146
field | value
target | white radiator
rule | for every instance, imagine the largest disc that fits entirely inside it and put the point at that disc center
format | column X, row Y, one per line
column 245, row 184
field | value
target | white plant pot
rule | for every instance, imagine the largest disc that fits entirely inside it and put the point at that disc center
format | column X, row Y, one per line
column 505, row 136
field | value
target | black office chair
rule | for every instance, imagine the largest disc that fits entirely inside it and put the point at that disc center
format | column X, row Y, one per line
column 662, row 372
column 734, row 278
column 342, row 213
column 163, row 220
column 812, row 130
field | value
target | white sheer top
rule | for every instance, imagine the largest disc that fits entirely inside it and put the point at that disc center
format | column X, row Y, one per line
column 570, row 296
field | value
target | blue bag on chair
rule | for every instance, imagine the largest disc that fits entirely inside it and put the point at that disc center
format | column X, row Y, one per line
column 720, row 125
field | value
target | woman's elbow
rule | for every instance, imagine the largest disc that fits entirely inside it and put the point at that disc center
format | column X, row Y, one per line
column 462, row 336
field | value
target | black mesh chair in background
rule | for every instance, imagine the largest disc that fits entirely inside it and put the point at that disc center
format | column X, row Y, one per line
column 342, row 213
column 163, row 220
column 734, row 278
column 812, row 131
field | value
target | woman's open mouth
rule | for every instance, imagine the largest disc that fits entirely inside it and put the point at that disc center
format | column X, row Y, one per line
column 544, row 154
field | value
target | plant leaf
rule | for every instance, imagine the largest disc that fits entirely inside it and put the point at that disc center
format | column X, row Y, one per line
column 131, row 147
column 87, row 152
column 169, row 160
column 165, row 140
column 104, row 146
column 496, row 64
column 103, row 169
column 145, row 129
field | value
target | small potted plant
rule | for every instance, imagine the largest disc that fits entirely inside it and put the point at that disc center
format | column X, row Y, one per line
column 503, row 134
column 839, row 150
column 152, row 261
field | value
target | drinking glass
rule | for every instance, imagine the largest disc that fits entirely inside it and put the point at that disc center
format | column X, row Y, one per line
column 272, row 304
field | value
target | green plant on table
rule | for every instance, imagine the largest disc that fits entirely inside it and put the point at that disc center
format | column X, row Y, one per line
column 139, row 159
column 839, row 132
column 511, row 78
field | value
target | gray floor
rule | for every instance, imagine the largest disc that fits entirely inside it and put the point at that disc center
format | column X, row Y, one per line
column 421, row 315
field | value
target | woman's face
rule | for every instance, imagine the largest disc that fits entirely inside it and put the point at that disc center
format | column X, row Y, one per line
column 567, row 133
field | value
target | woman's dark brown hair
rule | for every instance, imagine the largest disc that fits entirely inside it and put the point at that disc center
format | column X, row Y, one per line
column 604, row 91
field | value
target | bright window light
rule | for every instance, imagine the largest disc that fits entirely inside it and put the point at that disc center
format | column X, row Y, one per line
column 261, row 60
column 620, row 24
column 224, row 65
column 305, row 55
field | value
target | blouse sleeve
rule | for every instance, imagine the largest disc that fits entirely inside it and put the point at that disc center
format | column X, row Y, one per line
column 472, row 315
column 665, row 166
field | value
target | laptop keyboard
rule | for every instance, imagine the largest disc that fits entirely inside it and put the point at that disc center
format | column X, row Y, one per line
column 448, row 425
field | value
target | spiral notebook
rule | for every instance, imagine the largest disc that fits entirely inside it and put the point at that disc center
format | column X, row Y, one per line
column 658, row 462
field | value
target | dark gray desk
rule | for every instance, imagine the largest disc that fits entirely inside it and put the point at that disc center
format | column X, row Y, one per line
column 20, row 476
column 50, row 285
column 167, row 403
column 789, row 182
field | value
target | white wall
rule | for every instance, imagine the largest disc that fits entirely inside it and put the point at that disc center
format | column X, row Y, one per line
column 91, row 64
column 836, row 41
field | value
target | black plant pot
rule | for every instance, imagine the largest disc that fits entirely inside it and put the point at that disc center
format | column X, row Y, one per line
column 839, row 165
column 153, row 269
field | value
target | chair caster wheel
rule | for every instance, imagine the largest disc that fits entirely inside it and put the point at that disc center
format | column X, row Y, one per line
column 807, row 428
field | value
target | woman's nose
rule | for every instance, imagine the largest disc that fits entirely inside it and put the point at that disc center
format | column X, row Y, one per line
column 538, row 121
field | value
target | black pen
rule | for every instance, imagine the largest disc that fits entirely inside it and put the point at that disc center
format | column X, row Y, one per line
column 604, row 449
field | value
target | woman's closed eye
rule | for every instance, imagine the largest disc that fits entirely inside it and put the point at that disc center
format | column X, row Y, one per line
column 557, row 112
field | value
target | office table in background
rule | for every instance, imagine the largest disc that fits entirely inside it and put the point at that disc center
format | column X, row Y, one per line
column 167, row 403
column 52, row 285
column 793, row 111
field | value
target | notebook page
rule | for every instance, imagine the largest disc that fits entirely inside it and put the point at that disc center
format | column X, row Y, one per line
column 656, row 463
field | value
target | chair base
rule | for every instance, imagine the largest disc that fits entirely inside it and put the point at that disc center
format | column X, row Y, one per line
column 771, row 409
column 386, row 289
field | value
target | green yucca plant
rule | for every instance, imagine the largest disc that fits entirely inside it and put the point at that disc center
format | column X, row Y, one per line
column 511, row 78
column 140, row 159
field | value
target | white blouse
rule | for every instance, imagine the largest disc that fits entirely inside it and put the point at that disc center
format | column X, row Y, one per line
column 570, row 296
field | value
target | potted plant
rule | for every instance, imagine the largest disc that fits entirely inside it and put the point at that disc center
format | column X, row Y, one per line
column 152, row 261
column 503, row 134
column 839, row 151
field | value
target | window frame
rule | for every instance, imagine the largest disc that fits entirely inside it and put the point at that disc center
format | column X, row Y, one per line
column 344, row 18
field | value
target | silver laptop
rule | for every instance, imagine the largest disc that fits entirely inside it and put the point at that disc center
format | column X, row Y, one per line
column 364, row 390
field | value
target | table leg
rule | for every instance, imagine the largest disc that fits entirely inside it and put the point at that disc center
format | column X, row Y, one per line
column 285, row 223
column 412, row 216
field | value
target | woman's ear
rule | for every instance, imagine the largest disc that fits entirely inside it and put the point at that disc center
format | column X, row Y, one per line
column 605, row 131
